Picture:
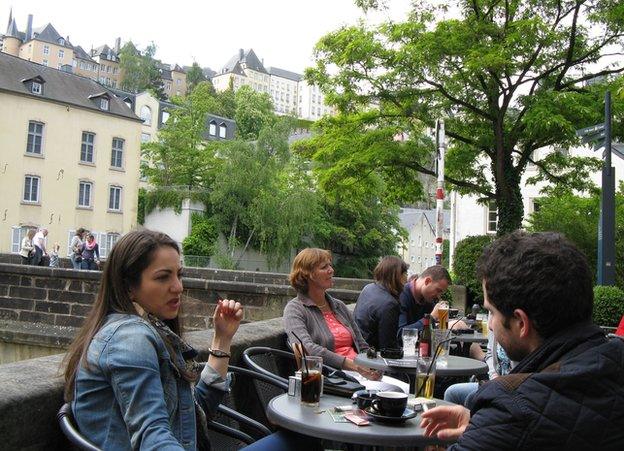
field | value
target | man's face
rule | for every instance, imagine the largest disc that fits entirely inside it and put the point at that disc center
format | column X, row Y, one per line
column 507, row 335
column 431, row 289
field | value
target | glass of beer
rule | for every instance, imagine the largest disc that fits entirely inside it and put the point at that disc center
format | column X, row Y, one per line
column 425, row 377
column 443, row 314
column 311, row 381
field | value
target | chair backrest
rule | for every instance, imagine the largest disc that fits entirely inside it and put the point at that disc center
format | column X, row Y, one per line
column 66, row 422
column 271, row 362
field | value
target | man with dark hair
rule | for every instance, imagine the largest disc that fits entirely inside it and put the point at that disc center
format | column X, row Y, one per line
column 567, row 391
column 419, row 294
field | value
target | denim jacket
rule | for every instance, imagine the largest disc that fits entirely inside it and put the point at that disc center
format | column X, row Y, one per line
column 129, row 397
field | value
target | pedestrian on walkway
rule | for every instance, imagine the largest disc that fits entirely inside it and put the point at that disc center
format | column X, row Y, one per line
column 27, row 248
column 40, row 247
column 90, row 254
column 75, row 247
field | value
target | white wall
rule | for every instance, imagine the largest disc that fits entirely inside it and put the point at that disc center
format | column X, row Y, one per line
column 176, row 225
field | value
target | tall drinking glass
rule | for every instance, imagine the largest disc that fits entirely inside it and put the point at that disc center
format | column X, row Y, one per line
column 410, row 340
column 425, row 377
column 311, row 380
column 440, row 340
column 443, row 314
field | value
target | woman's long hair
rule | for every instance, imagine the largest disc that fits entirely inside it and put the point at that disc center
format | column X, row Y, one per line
column 389, row 273
column 125, row 264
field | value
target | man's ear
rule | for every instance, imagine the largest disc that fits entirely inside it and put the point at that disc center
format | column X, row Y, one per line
column 523, row 323
column 427, row 280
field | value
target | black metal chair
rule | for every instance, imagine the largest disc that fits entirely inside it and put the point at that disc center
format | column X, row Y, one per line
column 228, row 430
column 66, row 422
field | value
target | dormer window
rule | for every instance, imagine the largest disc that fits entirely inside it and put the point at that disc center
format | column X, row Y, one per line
column 34, row 85
column 61, row 41
column 104, row 104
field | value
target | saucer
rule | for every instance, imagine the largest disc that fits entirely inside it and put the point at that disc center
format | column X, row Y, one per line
column 407, row 414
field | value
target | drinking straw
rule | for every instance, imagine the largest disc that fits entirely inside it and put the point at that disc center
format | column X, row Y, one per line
column 303, row 353
column 437, row 353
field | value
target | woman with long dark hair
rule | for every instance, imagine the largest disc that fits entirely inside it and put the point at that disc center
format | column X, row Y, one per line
column 131, row 379
column 377, row 309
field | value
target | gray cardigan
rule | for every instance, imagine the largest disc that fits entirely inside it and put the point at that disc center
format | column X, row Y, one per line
column 302, row 316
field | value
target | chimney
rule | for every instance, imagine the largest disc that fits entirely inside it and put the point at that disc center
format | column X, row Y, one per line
column 117, row 45
column 29, row 28
column 241, row 53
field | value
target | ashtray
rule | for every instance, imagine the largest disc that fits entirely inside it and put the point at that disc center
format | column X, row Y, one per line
column 392, row 353
column 407, row 414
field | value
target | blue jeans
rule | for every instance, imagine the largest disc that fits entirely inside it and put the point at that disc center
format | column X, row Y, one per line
column 285, row 441
column 461, row 393
column 75, row 264
column 88, row 264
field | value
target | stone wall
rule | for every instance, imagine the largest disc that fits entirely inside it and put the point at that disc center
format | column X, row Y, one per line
column 42, row 306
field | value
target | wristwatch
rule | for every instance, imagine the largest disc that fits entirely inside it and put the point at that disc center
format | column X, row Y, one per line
column 218, row 353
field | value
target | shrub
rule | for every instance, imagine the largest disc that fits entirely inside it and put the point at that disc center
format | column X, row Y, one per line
column 608, row 306
column 467, row 252
column 202, row 238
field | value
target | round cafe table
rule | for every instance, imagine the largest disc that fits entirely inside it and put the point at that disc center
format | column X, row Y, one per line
column 455, row 365
column 470, row 338
column 288, row 412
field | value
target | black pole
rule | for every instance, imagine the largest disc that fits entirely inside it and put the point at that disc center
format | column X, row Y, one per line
column 606, row 234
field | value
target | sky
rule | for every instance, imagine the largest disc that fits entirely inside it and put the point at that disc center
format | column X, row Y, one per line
column 282, row 32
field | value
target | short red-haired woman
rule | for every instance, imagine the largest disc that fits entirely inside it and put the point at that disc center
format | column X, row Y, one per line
column 323, row 323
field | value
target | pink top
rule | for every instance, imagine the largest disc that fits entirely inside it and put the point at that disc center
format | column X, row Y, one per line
column 343, row 341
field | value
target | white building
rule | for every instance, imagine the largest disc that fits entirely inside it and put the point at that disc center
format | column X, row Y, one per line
column 290, row 93
column 468, row 218
column 419, row 248
column 285, row 91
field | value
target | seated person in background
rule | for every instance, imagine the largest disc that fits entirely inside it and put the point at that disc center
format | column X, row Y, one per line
column 323, row 323
column 498, row 365
column 377, row 308
column 567, row 390
column 419, row 295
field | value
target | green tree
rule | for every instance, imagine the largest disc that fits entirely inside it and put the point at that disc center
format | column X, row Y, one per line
column 577, row 218
column 194, row 76
column 140, row 71
column 508, row 77
column 182, row 160
column 261, row 198
column 254, row 111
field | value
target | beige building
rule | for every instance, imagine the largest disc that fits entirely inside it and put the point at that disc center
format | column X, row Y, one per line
column 70, row 156
column 419, row 248
column 46, row 46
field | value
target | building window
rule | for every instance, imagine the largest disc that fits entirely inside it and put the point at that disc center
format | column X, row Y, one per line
column 165, row 116
column 45, row 62
column 61, row 53
column 146, row 115
column 86, row 149
column 145, row 137
column 492, row 217
column 36, row 88
column 222, row 131
column 35, row 138
column 117, row 153
column 110, row 240
column 104, row 104
column 31, row 188
column 114, row 198
column 61, row 41
column 84, row 194
column 212, row 128
column 46, row 49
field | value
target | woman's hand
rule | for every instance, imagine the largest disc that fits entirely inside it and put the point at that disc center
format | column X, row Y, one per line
column 368, row 373
column 226, row 319
column 445, row 422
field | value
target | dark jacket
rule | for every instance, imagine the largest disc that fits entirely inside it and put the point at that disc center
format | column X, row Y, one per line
column 303, row 317
column 411, row 312
column 377, row 316
column 566, row 395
